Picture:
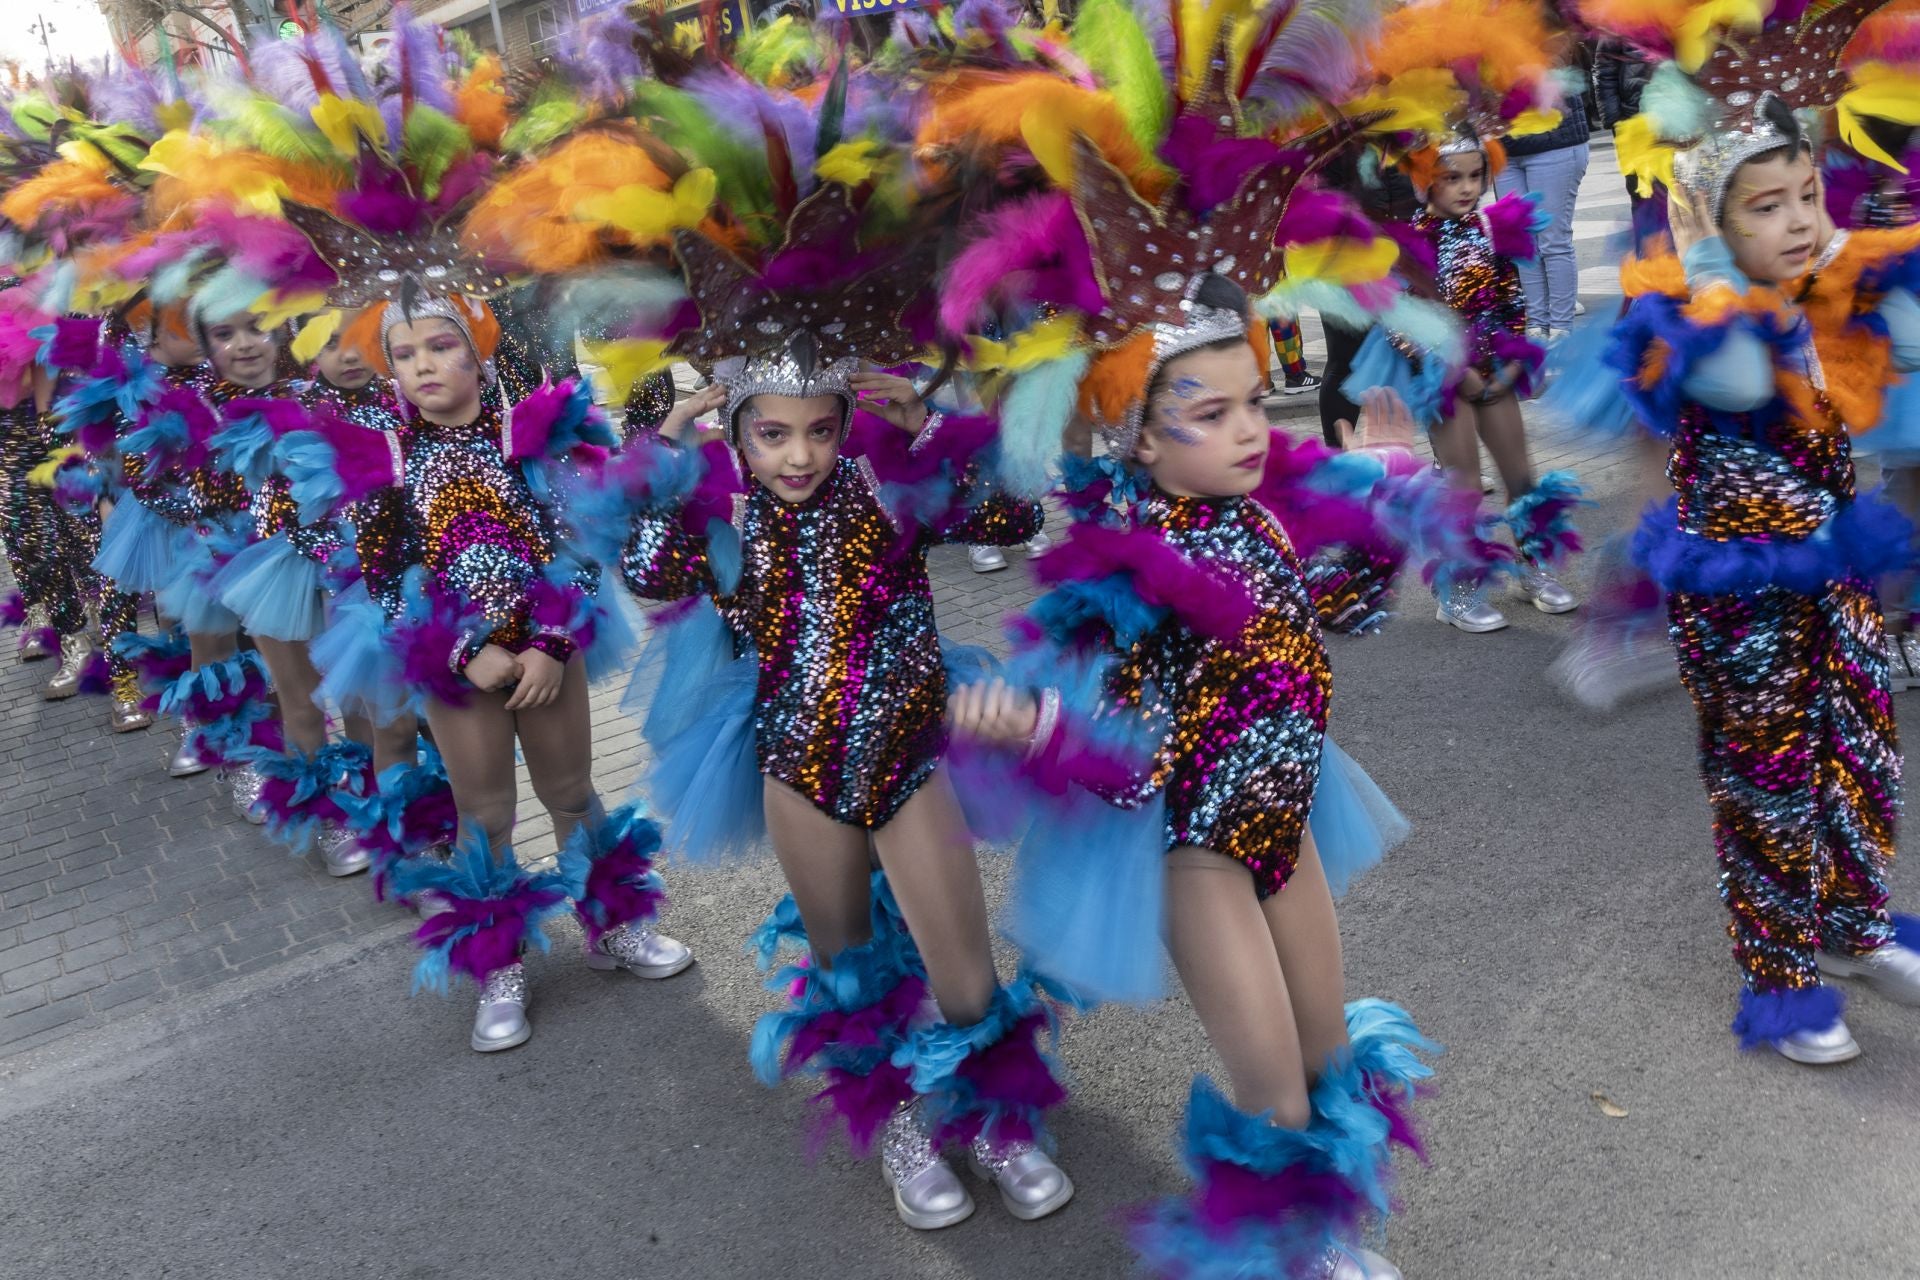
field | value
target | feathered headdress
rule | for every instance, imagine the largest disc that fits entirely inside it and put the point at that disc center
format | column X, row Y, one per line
column 1162, row 177
column 1732, row 73
column 1457, row 76
column 792, row 214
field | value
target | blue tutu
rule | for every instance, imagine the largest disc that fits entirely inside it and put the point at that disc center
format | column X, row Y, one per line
column 1584, row 390
column 274, row 589
column 1379, row 363
column 1088, row 901
column 705, row 782
column 189, row 598
column 1353, row 822
column 1896, row 441
column 136, row 547
column 359, row 672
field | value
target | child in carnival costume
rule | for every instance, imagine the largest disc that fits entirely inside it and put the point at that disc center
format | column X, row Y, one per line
column 1735, row 351
column 1178, row 745
column 804, row 683
column 1457, row 77
column 491, row 627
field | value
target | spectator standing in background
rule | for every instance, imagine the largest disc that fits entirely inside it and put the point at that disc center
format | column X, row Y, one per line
column 1550, row 165
column 1620, row 72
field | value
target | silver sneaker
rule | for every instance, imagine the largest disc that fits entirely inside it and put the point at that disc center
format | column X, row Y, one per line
column 1821, row 1048
column 340, row 852
column 1465, row 606
column 1039, row 544
column 926, row 1193
column 1355, row 1263
column 1031, row 1185
column 33, row 632
column 640, row 951
column 1547, row 592
column 986, row 559
column 1600, row 676
column 74, row 652
column 1910, row 653
column 1890, row 969
column 1899, row 667
column 248, row 783
column 187, row 761
column 500, row 1021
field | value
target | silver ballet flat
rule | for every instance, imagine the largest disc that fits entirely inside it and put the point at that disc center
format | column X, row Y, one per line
column 926, row 1193
column 1030, row 1184
column 640, row 951
column 1466, row 607
column 1890, row 969
column 1547, row 592
column 341, row 854
column 248, row 783
column 1822, row 1048
column 1355, row 1263
column 187, row 761
column 500, row 1021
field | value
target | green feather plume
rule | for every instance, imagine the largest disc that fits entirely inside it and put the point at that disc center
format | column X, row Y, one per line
column 550, row 116
column 1680, row 109
column 275, row 131
column 744, row 185
column 434, row 140
column 1110, row 38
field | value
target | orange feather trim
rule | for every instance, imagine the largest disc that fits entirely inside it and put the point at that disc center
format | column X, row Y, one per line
column 367, row 331
column 1423, row 166
column 528, row 215
column 480, row 103
column 1653, row 365
column 1116, row 379
column 58, row 188
column 1858, row 364
column 1660, row 273
column 361, row 332
column 1505, row 42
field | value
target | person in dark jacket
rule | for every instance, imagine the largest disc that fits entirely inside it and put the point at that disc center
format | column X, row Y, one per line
column 1620, row 72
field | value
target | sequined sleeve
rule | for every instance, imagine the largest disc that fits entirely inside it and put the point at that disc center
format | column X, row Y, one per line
column 384, row 541
column 940, row 480
column 664, row 561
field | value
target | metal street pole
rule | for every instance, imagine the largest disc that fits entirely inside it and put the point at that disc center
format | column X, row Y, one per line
column 499, row 33
column 46, row 45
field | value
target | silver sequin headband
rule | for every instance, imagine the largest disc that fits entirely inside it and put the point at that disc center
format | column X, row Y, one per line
column 783, row 373
column 1708, row 167
column 1204, row 327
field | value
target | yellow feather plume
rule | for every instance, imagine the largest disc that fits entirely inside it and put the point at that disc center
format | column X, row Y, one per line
column 624, row 361
column 1881, row 92
column 648, row 215
column 41, row 477
column 314, row 336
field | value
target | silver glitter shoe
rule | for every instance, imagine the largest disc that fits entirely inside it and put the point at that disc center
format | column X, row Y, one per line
column 74, row 652
column 1891, row 969
column 127, row 713
column 1465, row 606
column 1601, row 676
column 1899, row 669
column 640, row 951
column 340, row 852
column 247, row 784
column 500, row 1021
column 1355, row 1263
column 1820, row 1048
column 1546, row 591
column 187, row 761
column 1031, row 1185
column 926, row 1193
column 33, row 632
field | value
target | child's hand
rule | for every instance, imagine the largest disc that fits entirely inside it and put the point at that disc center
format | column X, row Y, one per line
column 492, row 668
column 993, row 712
column 1687, row 217
column 1385, row 422
column 540, row 677
column 1472, row 385
column 893, row 398
column 709, row 399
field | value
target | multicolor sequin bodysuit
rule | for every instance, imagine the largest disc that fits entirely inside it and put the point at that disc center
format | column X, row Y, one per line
column 1244, row 718
column 1481, row 287
column 49, row 550
column 835, row 601
column 467, row 514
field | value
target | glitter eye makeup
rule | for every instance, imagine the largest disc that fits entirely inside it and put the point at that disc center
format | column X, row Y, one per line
column 1185, row 391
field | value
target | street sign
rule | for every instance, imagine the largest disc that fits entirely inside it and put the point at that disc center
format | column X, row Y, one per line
column 732, row 20
column 830, row 10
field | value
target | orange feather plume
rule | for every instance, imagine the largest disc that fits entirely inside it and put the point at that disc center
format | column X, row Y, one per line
column 480, row 103
column 527, row 214
column 1117, row 378
column 58, row 188
column 1506, row 41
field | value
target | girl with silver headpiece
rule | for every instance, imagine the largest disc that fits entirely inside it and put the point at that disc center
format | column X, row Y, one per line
column 495, row 629
column 816, row 568
column 1767, row 553
column 1163, row 736
column 1497, row 64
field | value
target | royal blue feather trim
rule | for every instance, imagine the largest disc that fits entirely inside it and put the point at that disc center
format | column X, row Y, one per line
column 1869, row 537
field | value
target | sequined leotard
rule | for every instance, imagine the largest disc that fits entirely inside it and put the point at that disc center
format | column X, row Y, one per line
column 1480, row 286
column 467, row 514
column 275, row 510
column 1244, row 718
column 837, row 605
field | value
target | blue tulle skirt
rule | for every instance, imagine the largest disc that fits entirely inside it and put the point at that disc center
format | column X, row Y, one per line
column 1896, row 441
column 1353, row 822
column 188, row 597
column 1584, row 391
column 1379, row 363
column 359, row 672
column 1088, row 901
column 705, row 784
column 275, row 591
column 137, row 547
